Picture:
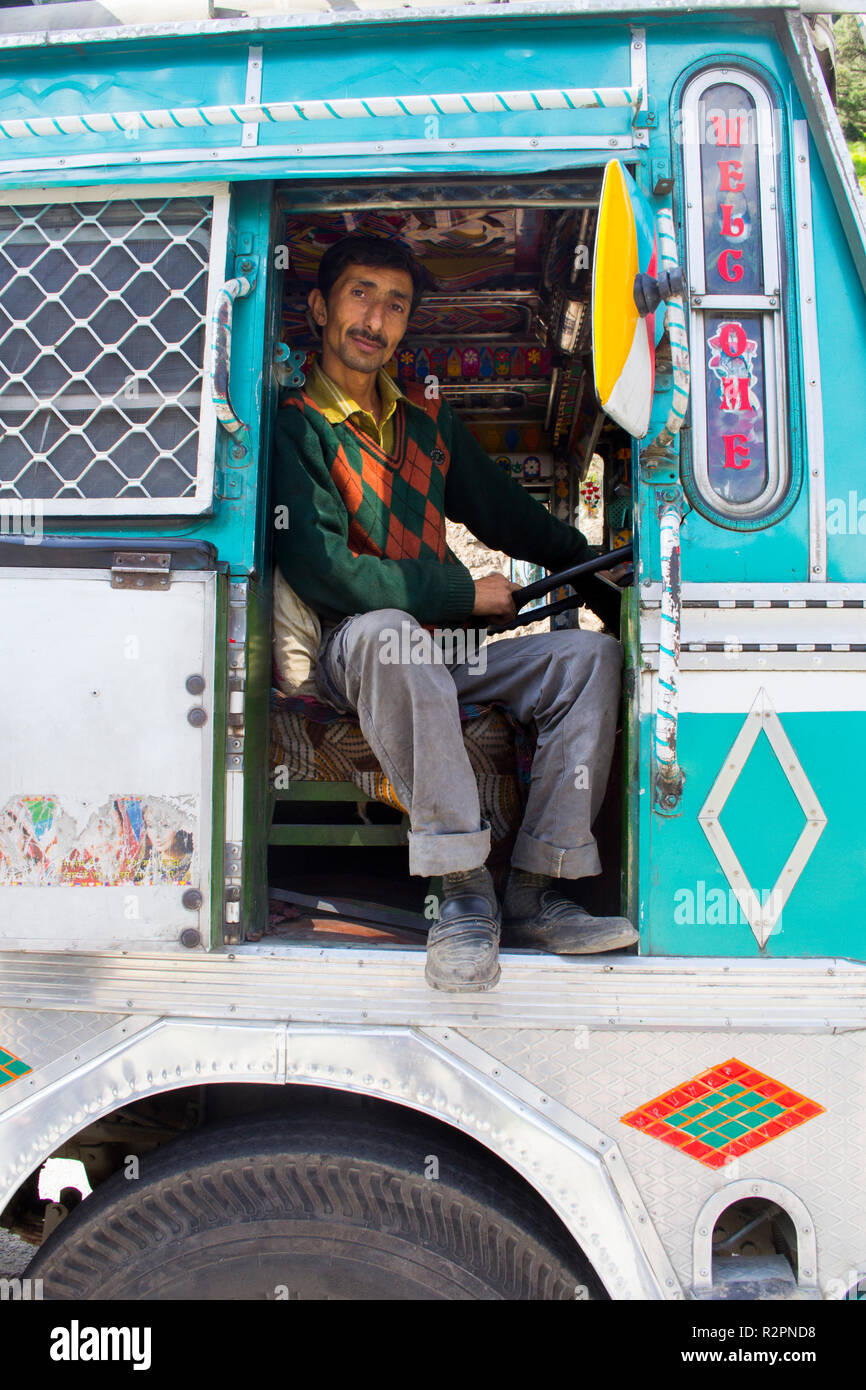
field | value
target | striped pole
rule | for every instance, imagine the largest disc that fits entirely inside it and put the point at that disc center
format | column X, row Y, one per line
column 670, row 776
column 675, row 323
column 220, row 357
column 339, row 109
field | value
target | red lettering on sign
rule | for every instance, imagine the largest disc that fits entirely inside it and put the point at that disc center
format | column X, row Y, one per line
column 731, row 169
column 732, row 339
column 735, row 393
column 728, row 131
column 736, row 451
column 731, row 225
column 729, row 272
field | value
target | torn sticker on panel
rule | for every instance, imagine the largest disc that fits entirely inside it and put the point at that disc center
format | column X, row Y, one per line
column 49, row 842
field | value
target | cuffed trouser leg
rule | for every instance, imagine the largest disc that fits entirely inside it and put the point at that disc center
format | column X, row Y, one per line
column 385, row 666
column 568, row 682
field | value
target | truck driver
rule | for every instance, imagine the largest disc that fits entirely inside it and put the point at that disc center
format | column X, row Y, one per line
column 369, row 475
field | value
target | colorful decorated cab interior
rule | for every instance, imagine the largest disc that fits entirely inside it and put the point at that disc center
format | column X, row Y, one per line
column 505, row 325
column 504, row 332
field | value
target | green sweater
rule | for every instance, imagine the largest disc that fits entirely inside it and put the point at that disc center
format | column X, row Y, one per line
column 367, row 530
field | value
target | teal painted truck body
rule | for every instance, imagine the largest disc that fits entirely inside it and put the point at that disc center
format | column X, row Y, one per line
column 811, row 542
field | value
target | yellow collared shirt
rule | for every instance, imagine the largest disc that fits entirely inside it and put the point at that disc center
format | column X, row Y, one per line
column 336, row 406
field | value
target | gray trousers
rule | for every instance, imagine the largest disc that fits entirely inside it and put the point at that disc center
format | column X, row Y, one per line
column 388, row 669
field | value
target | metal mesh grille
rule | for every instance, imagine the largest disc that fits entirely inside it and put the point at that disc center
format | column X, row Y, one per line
column 102, row 331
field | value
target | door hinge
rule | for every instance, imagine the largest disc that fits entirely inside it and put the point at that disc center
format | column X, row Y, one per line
column 134, row 570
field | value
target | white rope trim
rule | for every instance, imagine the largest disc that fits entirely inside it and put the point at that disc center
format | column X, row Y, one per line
column 233, row 289
column 340, row 109
column 675, row 323
column 667, row 706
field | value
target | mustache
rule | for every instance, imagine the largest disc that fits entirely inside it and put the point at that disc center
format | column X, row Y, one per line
column 365, row 338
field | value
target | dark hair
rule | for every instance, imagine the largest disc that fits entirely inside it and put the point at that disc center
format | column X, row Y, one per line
column 369, row 250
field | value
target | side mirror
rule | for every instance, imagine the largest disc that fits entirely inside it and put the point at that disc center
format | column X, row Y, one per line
column 624, row 334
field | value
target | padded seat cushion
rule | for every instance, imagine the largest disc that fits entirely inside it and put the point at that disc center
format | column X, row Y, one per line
column 314, row 743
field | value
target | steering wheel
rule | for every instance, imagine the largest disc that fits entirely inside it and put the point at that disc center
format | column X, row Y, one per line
column 586, row 570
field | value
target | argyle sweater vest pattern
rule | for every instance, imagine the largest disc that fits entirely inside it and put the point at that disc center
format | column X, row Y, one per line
column 395, row 504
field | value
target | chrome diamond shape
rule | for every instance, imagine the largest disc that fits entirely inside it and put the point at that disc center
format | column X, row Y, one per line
column 762, row 918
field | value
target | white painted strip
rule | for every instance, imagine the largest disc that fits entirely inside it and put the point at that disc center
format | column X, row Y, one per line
column 344, row 149
column 101, row 193
column 811, row 362
column 789, row 691
column 253, row 95
column 762, row 625
column 721, row 592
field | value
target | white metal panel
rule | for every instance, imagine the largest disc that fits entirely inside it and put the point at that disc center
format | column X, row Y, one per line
column 106, row 781
column 733, row 691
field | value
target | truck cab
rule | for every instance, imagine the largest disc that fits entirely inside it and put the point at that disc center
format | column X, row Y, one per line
column 647, row 256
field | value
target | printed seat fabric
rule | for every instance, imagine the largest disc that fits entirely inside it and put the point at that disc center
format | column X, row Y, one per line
column 311, row 742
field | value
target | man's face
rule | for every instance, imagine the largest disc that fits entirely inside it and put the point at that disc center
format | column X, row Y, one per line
column 366, row 315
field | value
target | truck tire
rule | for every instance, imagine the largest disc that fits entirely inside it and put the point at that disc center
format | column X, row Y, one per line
column 274, row 1208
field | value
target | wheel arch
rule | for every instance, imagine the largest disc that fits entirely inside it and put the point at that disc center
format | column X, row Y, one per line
column 400, row 1069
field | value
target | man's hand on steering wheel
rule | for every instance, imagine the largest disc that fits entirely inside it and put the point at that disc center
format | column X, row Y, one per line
column 601, row 594
column 493, row 598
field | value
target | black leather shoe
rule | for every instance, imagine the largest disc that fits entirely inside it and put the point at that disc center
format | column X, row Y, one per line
column 463, row 946
column 564, row 929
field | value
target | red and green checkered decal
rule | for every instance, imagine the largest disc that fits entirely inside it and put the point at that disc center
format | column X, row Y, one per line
column 11, row 1067
column 723, row 1113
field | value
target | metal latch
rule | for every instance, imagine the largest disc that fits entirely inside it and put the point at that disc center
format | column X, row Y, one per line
column 235, row 716
column 134, row 570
